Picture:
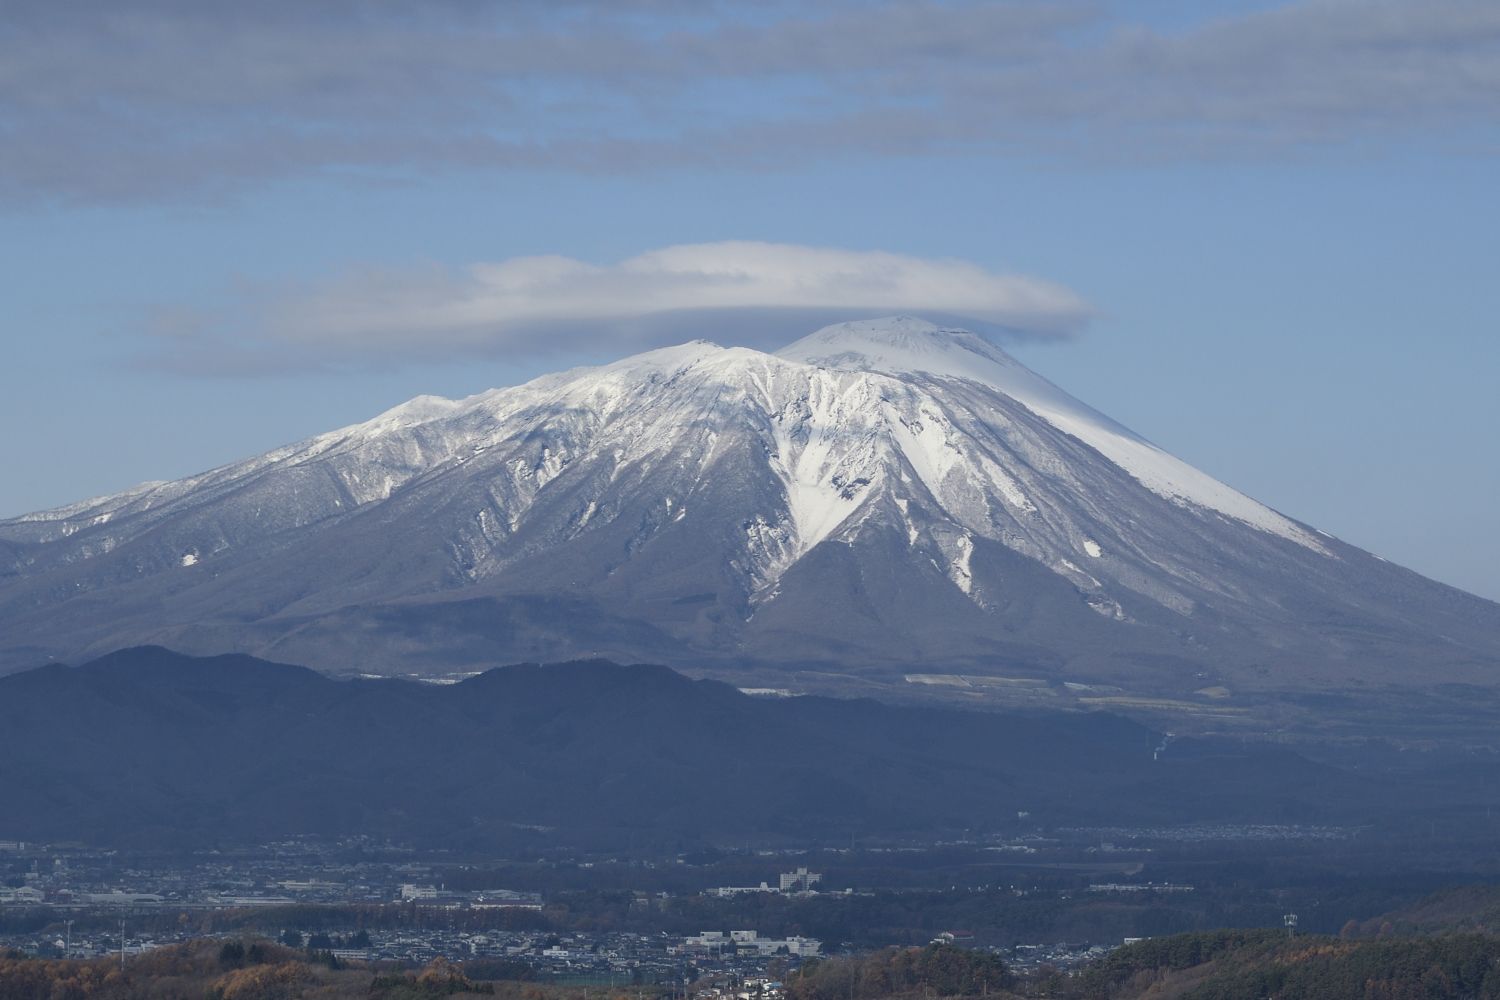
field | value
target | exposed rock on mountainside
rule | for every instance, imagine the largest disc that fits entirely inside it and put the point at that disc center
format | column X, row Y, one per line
column 879, row 503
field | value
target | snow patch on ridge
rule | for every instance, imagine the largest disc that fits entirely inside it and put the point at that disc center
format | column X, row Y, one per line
column 822, row 471
column 960, row 572
column 894, row 424
column 904, row 345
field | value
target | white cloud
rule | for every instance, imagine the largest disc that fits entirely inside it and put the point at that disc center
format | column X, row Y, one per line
column 740, row 292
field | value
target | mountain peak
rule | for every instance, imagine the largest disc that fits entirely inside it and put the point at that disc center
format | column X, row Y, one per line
column 417, row 410
column 901, row 344
column 888, row 329
column 904, row 346
column 891, row 489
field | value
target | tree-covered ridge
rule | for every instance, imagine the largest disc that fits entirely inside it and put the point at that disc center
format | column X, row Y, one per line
column 1250, row 965
column 1170, row 954
column 245, row 751
column 210, row 969
column 1467, row 909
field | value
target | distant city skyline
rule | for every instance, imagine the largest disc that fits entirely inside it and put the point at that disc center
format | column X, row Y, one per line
column 1262, row 235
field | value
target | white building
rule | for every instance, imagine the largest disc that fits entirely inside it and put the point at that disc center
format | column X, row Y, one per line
column 738, row 890
column 26, row 894
column 800, row 880
column 411, row 891
column 708, row 939
column 799, row 946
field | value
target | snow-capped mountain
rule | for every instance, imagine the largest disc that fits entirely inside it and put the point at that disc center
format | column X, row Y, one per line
column 879, row 502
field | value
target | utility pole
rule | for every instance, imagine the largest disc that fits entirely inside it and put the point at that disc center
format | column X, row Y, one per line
column 122, row 945
column 68, row 946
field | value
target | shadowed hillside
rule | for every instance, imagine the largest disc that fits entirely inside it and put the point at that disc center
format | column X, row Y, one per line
column 146, row 745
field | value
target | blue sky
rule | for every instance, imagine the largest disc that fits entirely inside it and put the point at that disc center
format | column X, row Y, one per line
column 1263, row 235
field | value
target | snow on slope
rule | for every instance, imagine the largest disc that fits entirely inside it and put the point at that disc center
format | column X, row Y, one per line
column 852, row 413
column 905, row 345
column 877, row 492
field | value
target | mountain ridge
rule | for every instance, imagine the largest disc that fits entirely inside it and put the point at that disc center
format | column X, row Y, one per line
column 893, row 498
column 170, row 750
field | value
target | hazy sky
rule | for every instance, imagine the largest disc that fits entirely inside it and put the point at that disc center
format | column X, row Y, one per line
column 1265, row 235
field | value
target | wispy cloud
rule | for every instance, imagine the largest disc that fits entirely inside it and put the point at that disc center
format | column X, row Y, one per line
column 103, row 100
column 758, row 294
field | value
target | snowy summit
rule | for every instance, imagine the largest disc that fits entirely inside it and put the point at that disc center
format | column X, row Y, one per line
column 878, row 495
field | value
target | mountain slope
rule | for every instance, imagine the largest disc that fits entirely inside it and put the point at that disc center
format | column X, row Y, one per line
column 164, row 748
column 878, row 500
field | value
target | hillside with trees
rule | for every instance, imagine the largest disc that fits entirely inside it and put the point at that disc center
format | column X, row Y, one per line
column 210, row 969
column 171, row 750
column 1251, row 965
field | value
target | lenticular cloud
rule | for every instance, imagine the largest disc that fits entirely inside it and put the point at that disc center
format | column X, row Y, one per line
column 737, row 292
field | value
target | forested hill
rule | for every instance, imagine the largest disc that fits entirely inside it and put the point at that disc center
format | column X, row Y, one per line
column 1249, row 965
column 149, row 746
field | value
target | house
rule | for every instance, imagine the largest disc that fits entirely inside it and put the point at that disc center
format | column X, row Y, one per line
column 962, row 939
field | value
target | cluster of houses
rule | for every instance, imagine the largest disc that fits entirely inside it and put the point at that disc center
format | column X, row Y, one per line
column 733, row 988
column 749, row 942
